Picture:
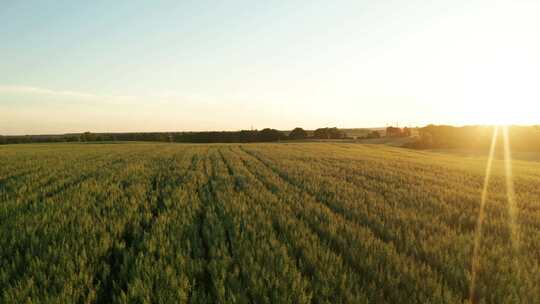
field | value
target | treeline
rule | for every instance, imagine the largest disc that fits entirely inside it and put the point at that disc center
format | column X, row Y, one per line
column 265, row 135
column 398, row 132
column 244, row 136
column 475, row 137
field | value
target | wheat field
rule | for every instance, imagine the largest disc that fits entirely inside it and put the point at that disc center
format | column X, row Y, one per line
column 261, row 223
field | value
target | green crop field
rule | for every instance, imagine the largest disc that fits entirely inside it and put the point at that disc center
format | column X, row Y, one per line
column 261, row 223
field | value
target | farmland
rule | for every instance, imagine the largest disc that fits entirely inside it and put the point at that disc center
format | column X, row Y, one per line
column 260, row 223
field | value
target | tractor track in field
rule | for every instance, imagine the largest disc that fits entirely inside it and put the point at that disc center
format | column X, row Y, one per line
column 292, row 249
column 117, row 257
column 273, row 191
column 339, row 213
column 339, row 209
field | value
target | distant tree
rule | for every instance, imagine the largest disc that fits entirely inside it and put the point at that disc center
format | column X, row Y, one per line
column 298, row 133
column 71, row 138
column 406, row 132
column 86, row 136
column 424, row 141
column 321, row 133
column 3, row 140
column 328, row 133
column 335, row 133
column 373, row 134
column 164, row 137
column 248, row 135
column 268, row 135
column 393, row 132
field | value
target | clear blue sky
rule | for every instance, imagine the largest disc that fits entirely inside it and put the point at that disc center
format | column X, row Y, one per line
column 70, row 66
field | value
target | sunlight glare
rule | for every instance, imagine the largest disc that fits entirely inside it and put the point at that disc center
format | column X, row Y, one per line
column 512, row 210
column 510, row 191
column 478, row 233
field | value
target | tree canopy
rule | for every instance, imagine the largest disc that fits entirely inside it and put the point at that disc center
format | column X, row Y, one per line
column 298, row 133
column 328, row 133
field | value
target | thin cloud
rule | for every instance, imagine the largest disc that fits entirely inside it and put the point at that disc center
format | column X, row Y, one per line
column 40, row 91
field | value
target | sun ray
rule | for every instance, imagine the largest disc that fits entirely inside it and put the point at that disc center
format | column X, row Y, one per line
column 479, row 224
column 510, row 190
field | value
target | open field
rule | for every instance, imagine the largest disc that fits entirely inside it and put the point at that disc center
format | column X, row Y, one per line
column 470, row 153
column 260, row 223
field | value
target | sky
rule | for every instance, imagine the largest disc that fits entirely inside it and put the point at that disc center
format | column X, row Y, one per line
column 123, row 66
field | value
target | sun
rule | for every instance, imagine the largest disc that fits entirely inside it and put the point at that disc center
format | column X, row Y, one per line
column 500, row 87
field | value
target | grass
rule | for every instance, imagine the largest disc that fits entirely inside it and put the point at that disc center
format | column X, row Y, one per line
column 260, row 223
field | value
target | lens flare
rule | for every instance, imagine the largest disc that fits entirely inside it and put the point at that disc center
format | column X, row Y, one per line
column 512, row 208
column 478, row 234
column 510, row 191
